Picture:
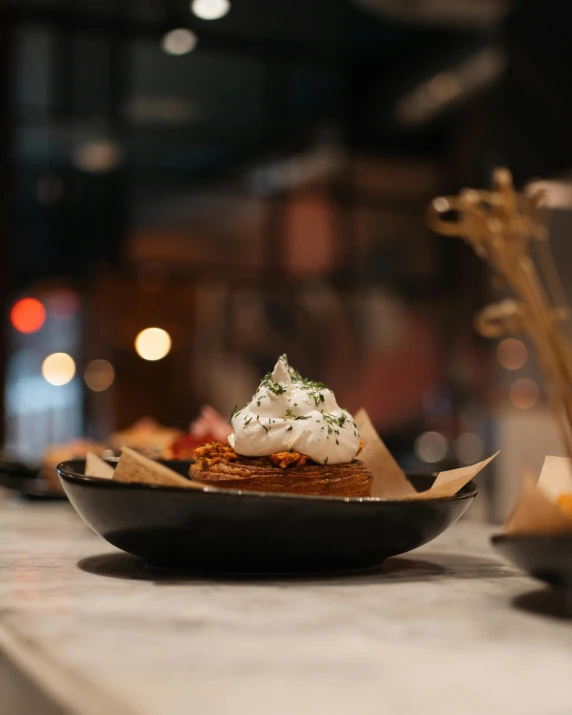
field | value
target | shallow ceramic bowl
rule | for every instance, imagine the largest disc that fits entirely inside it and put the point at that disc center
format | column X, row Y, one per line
column 546, row 557
column 182, row 528
column 26, row 481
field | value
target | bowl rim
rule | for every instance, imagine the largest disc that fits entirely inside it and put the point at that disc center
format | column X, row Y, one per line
column 67, row 474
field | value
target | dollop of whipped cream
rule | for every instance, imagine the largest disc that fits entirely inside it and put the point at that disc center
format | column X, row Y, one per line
column 288, row 413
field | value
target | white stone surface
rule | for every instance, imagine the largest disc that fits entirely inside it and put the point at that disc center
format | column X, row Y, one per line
column 435, row 632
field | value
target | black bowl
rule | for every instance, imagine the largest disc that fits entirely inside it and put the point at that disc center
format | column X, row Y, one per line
column 240, row 530
column 546, row 557
column 27, row 481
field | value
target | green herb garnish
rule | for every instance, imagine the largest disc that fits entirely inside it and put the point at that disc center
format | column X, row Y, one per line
column 234, row 412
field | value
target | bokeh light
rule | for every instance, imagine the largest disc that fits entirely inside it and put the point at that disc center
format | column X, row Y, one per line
column 179, row 41
column 99, row 375
column 512, row 353
column 58, row 368
column 96, row 156
column 431, row 447
column 210, row 9
column 469, row 447
column 153, row 343
column 523, row 394
column 28, row 315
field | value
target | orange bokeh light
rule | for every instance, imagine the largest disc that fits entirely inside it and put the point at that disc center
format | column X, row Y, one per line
column 27, row 315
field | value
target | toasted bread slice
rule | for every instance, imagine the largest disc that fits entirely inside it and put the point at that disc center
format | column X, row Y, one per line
column 218, row 465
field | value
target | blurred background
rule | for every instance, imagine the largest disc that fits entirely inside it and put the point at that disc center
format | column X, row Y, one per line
column 250, row 178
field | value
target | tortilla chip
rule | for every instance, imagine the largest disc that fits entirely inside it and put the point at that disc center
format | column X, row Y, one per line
column 534, row 513
column 96, row 467
column 452, row 481
column 389, row 480
column 134, row 467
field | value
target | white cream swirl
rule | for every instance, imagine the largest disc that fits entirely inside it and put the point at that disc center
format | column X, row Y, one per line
column 288, row 413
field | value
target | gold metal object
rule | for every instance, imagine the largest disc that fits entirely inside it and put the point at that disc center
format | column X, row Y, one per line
column 503, row 227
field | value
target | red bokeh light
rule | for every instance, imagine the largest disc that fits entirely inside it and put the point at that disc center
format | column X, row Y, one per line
column 27, row 315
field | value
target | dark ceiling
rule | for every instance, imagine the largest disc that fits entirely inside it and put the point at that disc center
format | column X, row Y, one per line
column 269, row 78
column 266, row 74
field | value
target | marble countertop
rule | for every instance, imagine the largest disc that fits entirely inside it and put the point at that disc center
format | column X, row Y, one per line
column 449, row 629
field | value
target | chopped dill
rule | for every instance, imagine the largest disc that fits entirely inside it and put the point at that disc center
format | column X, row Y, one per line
column 274, row 387
column 277, row 388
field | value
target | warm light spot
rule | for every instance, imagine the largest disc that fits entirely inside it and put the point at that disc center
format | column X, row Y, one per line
column 431, row 447
column 28, row 315
column 58, row 368
column 441, row 204
column 96, row 156
column 153, row 343
column 470, row 448
column 512, row 353
column 179, row 41
column 62, row 303
column 99, row 375
column 210, row 9
column 523, row 394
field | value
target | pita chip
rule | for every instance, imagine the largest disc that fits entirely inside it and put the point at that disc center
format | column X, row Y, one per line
column 448, row 483
column 96, row 467
column 134, row 467
column 534, row 513
column 389, row 480
column 555, row 478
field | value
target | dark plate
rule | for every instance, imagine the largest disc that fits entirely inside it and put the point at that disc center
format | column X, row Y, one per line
column 27, row 481
column 548, row 558
column 236, row 531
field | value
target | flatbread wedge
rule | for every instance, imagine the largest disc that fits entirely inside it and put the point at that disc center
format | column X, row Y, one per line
column 96, row 467
column 134, row 467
